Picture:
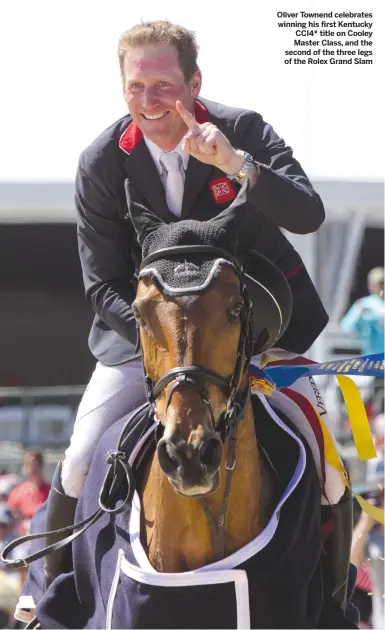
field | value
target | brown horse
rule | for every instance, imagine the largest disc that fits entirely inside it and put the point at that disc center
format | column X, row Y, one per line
column 208, row 490
column 209, row 486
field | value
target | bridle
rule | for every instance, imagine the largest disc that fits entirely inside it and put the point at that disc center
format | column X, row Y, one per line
column 197, row 377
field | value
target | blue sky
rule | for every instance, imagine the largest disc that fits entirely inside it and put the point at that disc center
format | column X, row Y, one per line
column 60, row 81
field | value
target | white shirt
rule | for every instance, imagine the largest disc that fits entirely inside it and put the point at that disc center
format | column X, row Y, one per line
column 156, row 153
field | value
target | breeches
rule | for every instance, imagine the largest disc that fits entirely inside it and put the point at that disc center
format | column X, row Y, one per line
column 112, row 392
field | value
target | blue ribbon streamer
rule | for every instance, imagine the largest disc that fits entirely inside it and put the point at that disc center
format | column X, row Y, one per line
column 285, row 375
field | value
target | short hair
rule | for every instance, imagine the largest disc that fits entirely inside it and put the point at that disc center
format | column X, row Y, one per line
column 162, row 32
column 376, row 276
column 36, row 454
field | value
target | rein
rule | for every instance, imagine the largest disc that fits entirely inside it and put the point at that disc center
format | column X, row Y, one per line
column 119, row 471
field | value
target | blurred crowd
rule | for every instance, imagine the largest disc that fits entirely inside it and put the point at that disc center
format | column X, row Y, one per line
column 20, row 497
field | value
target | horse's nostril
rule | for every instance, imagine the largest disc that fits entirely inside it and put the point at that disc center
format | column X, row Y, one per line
column 169, row 459
column 211, row 453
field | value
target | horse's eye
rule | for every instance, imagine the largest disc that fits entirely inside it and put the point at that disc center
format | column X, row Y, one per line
column 235, row 312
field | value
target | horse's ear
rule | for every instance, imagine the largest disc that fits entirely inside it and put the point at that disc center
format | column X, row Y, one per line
column 231, row 218
column 143, row 220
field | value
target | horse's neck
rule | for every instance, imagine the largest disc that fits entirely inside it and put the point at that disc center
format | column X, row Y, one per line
column 175, row 530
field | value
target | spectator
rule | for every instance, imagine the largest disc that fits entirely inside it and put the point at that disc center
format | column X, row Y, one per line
column 7, row 527
column 9, row 594
column 362, row 596
column 8, row 533
column 30, row 494
column 376, row 567
column 375, row 466
column 366, row 316
column 367, row 554
column 11, row 580
column 8, row 481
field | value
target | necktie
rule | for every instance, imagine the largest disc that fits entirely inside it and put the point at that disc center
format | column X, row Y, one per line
column 172, row 162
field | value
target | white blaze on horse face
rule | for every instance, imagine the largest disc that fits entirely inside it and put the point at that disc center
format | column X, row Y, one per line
column 187, row 418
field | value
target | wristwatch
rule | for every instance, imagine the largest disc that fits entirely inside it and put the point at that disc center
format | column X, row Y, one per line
column 245, row 168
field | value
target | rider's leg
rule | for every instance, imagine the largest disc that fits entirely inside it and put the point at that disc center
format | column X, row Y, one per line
column 112, row 392
column 60, row 513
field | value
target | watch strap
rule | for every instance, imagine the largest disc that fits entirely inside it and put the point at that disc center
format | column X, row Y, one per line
column 248, row 162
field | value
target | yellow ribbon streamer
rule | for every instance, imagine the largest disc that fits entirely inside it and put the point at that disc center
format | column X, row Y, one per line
column 373, row 511
column 267, row 358
column 357, row 418
column 334, row 460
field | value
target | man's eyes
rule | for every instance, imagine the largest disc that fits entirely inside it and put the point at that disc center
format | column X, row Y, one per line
column 139, row 86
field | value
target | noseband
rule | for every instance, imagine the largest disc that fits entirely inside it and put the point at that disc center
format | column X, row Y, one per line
column 197, row 377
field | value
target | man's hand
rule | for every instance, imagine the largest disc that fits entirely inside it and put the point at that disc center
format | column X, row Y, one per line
column 365, row 522
column 207, row 144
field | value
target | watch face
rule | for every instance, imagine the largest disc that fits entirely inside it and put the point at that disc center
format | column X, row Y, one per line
column 248, row 161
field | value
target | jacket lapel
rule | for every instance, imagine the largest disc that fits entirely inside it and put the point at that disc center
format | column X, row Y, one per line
column 141, row 171
column 197, row 175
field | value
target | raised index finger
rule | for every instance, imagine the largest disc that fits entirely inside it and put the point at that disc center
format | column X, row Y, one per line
column 185, row 115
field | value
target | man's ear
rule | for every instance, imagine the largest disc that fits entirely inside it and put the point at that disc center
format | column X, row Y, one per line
column 196, row 84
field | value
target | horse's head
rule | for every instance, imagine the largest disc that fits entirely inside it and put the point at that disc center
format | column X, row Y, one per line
column 194, row 314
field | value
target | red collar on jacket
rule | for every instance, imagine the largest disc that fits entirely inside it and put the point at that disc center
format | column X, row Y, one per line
column 132, row 135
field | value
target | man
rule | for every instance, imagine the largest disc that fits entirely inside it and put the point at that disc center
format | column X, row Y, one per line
column 365, row 317
column 8, row 533
column 7, row 527
column 8, row 481
column 184, row 157
column 367, row 554
column 29, row 495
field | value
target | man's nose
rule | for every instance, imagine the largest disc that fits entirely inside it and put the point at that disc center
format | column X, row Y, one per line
column 149, row 99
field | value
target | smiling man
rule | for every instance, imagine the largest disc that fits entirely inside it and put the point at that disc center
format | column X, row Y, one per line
column 184, row 157
column 153, row 81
